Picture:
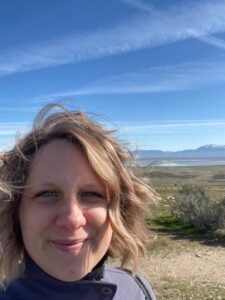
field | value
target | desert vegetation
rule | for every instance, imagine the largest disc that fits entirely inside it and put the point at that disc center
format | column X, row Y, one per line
column 185, row 255
column 194, row 205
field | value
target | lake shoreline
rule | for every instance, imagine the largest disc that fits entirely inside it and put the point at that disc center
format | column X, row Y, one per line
column 179, row 162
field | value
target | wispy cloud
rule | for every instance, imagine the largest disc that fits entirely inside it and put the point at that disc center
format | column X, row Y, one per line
column 143, row 128
column 28, row 109
column 178, row 77
column 214, row 41
column 9, row 131
column 11, row 128
column 172, row 135
column 167, row 135
column 139, row 4
column 147, row 30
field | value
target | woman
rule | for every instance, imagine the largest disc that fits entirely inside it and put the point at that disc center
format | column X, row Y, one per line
column 67, row 202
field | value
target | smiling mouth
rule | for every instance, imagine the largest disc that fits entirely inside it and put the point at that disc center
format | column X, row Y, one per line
column 69, row 246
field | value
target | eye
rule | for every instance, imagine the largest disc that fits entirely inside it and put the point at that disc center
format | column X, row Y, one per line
column 46, row 194
column 91, row 196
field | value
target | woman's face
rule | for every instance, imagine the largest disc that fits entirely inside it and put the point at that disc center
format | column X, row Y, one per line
column 63, row 212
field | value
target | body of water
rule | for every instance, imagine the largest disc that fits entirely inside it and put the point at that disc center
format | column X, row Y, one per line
column 179, row 162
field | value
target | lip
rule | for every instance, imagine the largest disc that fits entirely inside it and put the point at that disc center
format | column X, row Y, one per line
column 69, row 246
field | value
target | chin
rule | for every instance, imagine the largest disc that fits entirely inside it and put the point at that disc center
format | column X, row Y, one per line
column 70, row 271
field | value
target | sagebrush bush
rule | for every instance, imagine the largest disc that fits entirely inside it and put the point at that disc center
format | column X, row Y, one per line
column 194, row 205
column 220, row 212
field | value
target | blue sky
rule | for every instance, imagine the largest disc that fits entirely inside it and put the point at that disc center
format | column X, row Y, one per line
column 156, row 68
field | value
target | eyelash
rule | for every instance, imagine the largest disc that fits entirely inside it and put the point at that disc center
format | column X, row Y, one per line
column 46, row 194
column 91, row 194
column 83, row 194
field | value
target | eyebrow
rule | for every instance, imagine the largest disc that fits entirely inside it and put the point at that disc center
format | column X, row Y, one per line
column 54, row 184
column 41, row 184
column 93, row 185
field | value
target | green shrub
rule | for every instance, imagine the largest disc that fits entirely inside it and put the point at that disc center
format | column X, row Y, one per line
column 194, row 205
column 220, row 212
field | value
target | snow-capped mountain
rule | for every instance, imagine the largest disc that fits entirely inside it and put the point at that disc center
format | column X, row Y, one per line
column 206, row 151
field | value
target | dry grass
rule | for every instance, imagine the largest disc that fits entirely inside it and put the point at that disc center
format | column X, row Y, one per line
column 185, row 269
column 182, row 262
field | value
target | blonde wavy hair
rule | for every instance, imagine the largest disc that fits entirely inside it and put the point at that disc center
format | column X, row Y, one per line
column 127, row 195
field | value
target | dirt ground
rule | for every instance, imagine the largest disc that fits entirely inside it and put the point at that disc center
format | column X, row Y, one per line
column 184, row 269
column 181, row 265
column 200, row 263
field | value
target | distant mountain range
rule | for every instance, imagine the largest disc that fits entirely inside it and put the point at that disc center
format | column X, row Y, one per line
column 206, row 151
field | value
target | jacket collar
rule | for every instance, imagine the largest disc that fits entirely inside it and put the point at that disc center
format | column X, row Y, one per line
column 33, row 271
column 35, row 284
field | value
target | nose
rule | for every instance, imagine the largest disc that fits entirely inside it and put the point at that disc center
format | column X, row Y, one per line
column 70, row 214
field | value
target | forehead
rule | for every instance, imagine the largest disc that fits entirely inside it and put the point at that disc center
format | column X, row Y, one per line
column 57, row 150
column 58, row 159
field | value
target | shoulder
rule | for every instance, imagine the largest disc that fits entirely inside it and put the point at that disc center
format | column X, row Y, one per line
column 128, row 286
column 4, row 295
column 10, row 292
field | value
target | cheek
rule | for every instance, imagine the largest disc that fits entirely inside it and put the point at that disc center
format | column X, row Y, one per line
column 33, row 220
column 99, row 222
column 97, row 217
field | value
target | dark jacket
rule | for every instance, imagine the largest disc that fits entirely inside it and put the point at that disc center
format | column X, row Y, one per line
column 105, row 283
